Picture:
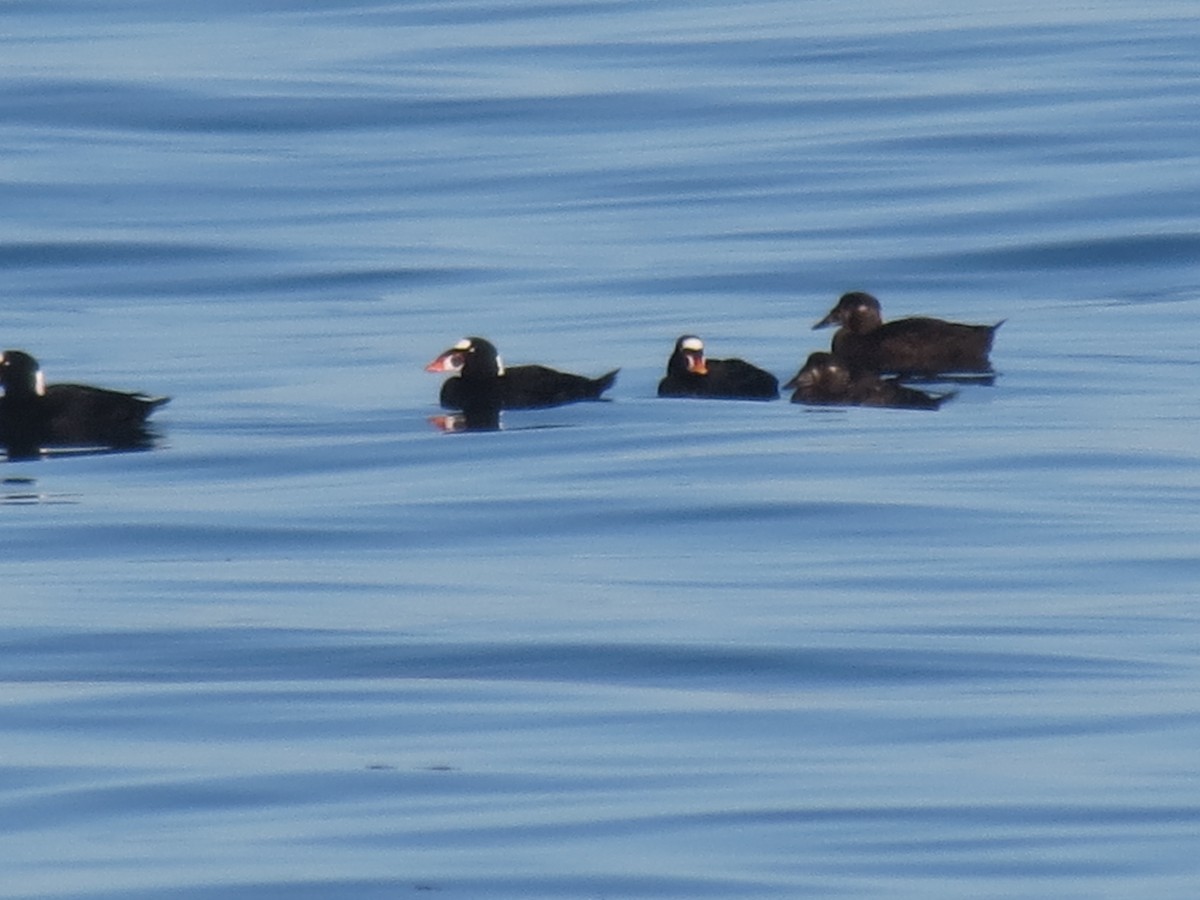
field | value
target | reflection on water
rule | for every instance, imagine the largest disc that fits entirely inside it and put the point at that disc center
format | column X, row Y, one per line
column 980, row 380
column 476, row 420
column 137, row 440
column 20, row 492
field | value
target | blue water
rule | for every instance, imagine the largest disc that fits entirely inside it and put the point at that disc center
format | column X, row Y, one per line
column 310, row 647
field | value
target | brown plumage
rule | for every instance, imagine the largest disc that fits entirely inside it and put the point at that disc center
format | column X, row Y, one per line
column 915, row 346
column 826, row 380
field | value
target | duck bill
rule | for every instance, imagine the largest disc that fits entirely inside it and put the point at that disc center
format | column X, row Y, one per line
column 696, row 364
column 803, row 378
column 450, row 361
column 831, row 319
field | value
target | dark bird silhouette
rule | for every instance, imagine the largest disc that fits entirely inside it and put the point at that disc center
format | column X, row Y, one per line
column 484, row 385
column 691, row 374
column 826, row 380
column 34, row 415
column 917, row 346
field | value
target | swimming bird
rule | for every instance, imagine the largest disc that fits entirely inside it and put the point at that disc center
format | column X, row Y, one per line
column 485, row 385
column 691, row 374
column 34, row 414
column 826, row 380
column 915, row 346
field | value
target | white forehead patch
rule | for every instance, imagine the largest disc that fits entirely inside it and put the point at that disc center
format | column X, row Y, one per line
column 693, row 343
column 464, row 344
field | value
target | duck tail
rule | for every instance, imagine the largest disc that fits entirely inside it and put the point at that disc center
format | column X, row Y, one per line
column 153, row 403
column 605, row 381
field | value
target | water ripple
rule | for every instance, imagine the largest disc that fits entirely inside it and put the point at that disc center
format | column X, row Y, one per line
column 236, row 655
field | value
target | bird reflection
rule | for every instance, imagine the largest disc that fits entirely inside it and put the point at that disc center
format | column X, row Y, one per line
column 20, row 450
column 475, row 419
column 24, row 492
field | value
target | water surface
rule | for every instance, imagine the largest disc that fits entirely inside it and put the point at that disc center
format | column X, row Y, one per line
column 309, row 646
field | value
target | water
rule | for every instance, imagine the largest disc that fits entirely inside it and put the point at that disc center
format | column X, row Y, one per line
column 311, row 647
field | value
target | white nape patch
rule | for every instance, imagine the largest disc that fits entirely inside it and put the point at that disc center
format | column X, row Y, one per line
column 693, row 343
column 464, row 344
column 39, row 383
column 499, row 365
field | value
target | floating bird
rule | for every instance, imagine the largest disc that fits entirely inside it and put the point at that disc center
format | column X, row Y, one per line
column 691, row 374
column 918, row 346
column 826, row 380
column 484, row 385
column 34, row 415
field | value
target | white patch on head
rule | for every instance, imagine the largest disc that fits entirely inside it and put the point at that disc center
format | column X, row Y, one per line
column 464, row 344
column 499, row 365
column 39, row 383
column 692, row 343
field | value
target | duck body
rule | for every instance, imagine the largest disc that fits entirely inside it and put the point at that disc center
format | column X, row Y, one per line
column 691, row 374
column 826, row 380
column 484, row 384
column 918, row 346
column 34, row 415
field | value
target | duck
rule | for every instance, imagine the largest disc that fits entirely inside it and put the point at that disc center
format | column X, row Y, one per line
column 826, row 380
column 917, row 346
column 34, row 414
column 691, row 374
column 484, row 385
